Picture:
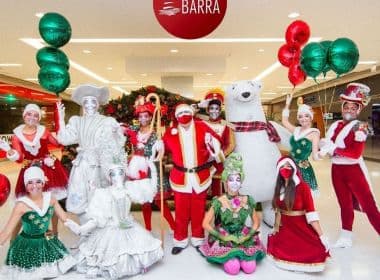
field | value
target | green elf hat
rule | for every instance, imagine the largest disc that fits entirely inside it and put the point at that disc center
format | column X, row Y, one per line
column 233, row 165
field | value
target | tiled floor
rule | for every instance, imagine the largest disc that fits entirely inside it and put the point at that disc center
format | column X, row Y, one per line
column 360, row 262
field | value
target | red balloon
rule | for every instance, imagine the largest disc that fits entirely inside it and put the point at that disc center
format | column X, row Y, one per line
column 287, row 54
column 297, row 33
column 5, row 189
column 296, row 75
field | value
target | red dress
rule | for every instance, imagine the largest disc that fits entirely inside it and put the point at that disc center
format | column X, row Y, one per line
column 32, row 150
column 296, row 246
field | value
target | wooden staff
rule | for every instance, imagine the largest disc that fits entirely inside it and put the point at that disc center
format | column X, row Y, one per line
column 157, row 119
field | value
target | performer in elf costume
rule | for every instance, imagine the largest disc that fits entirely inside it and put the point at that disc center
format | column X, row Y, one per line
column 213, row 103
column 345, row 141
column 30, row 148
column 145, row 146
column 191, row 144
column 232, row 224
column 303, row 142
column 34, row 254
column 100, row 140
column 297, row 242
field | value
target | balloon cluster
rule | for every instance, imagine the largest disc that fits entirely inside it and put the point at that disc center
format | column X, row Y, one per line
column 340, row 56
column 54, row 64
column 289, row 54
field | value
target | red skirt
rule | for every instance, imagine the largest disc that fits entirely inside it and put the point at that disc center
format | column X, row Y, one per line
column 296, row 244
column 56, row 180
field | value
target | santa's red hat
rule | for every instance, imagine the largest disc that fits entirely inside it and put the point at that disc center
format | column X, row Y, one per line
column 296, row 174
column 357, row 93
column 183, row 108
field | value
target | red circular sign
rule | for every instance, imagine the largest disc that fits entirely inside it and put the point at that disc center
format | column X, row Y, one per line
column 190, row 19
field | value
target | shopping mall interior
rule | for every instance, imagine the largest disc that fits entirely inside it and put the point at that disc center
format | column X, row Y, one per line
column 121, row 45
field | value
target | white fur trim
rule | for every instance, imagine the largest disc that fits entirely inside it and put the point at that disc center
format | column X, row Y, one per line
column 141, row 191
column 197, row 241
column 183, row 108
column 312, row 217
column 360, row 136
column 31, row 146
column 305, row 109
column 339, row 141
column 13, row 157
column 34, row 172
column 298, row 134
column 293, row 266
column 295, row 176
column 45, row 203
column 136, row 164
column 32, row 107
column 180, row 243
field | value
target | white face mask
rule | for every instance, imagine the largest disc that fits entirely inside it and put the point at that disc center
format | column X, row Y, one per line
column 214, row 111
column 117, row 176
column 234, row 182
column 90, row 105
column 348, row 117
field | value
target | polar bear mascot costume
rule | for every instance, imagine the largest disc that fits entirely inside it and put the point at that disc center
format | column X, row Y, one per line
column 256, row 141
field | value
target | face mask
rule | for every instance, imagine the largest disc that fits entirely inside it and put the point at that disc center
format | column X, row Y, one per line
column 214, row 111
column 185, row 119
column 90, row 105
column 233, row 182
column 285, row 172
column 348, row 117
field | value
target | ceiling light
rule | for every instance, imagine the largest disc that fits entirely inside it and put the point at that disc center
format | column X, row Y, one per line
column 86, row 51
column 367, row 62
column 144, row 74
column 284, row 87
column 39, row 15
column 244, row 67
column 174, row 51
column 10, row 65
column 109, row 68
column 268, row 71
column 31, row 79
column 123, row 82
column 293, row 15
column 270, row 93
column 209, row 74
column 260, row 50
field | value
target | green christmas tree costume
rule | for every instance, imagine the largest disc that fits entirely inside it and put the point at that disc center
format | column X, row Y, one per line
column 33, row 254
column 301, row 148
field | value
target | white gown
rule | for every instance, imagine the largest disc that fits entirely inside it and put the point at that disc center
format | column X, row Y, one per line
column 111, row 250
column 101, row 142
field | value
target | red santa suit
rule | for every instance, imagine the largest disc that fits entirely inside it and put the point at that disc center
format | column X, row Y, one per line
column 190, row 177
column 226, row 137
column 349, row 173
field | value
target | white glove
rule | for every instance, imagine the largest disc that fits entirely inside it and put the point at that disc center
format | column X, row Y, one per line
column 61, row 114
column 289, row 98
column 87, row 227
column 73, row 226
column 48, row 161
column 325, row 241
column 328, row 148
column 209, row 144
column 5, row 146
column 159, row 149
column 360, row 136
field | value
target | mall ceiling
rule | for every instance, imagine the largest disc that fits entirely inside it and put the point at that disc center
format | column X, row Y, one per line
column 124, row 65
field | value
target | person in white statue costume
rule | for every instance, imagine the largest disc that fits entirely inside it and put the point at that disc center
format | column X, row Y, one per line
column 116, row 245
column 101, row 141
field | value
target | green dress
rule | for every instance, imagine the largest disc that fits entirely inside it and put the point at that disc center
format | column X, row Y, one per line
column 301, row 148
column 32, row 254
column 238, row 224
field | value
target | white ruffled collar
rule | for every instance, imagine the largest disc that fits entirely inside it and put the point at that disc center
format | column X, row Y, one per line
column 298, row 134
column 31, row 146
column 45, row 203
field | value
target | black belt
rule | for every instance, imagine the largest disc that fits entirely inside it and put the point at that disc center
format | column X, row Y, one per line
column 194, row 169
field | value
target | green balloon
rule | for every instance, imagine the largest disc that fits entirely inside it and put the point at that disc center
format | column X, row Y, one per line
column 313, row 59
column 50, row 55
column 343, row 55
column 54, row 78
column 55, row 29
column 326, row 45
